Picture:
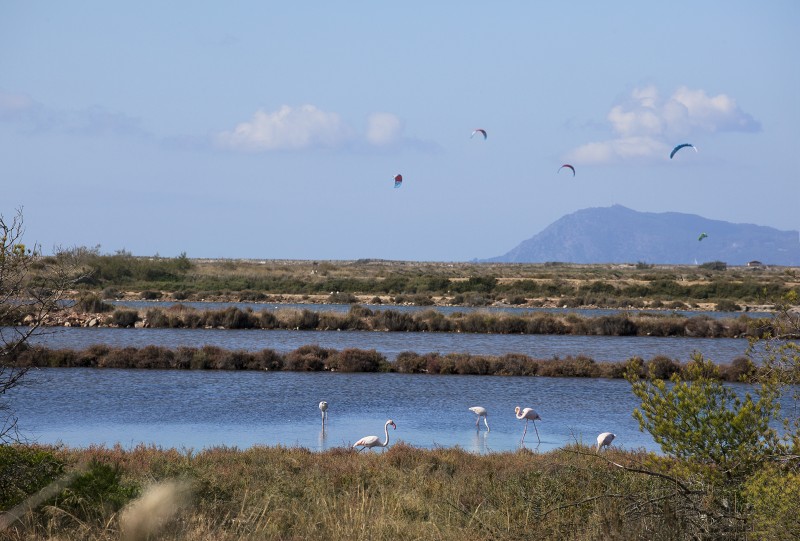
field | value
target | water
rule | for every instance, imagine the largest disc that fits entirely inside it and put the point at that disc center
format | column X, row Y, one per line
column 200, row 409
column 390, row 344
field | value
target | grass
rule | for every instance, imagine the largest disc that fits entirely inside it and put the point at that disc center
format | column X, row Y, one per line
column 403, row 493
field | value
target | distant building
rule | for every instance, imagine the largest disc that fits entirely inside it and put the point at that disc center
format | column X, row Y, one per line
column 755, row 264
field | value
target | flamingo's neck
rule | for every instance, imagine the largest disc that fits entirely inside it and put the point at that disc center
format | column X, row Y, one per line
column 386, row 431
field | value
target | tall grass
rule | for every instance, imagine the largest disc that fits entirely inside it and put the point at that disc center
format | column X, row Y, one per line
column 402, row 493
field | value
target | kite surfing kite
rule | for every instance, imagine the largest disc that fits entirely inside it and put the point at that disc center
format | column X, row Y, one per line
column 701, row 237
column 479, row 130
column 398, row 180
column 682, row 145
column 568, row 166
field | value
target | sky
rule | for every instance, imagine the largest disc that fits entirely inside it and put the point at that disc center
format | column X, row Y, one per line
column 273, row 130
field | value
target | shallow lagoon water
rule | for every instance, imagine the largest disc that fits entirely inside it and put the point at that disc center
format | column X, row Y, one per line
column 199, row 409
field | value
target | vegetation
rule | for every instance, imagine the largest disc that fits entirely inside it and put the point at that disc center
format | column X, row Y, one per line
column 728, row 447
column 360, row 318
column 403, row 493
column 313, row 358
column 636, row 285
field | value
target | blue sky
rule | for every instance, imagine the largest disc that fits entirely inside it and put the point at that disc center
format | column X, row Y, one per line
column 274, row 130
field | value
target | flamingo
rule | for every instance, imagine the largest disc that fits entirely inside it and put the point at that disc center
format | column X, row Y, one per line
column 323, row 407
column 368, row 442
column 529, row 415
column 480, row 412
column 604, row 440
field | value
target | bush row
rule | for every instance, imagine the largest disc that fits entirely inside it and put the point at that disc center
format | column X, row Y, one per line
column 313, row 358
column 362, row 318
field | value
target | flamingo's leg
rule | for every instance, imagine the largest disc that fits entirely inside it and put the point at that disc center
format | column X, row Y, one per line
column 537, row 432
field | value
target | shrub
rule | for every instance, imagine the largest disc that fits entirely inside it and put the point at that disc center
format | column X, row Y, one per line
column 408, row 362
column 110, row 293
column 546, row 324
column 616, row 325
column 234, row 318
column 714, row 265
column 475, row 365
column 153, row 357
column 515, row 364
column 268, row 359
column 310, row 358
column 727, row 305
column 156, row 318
column 149, row 295
column 342, row 298
column 23, row 471
column 95, row 494
column 124, row 317
column 392, row 320
column 89, row 302
column 662, row 367
column 358, row 360
column 573, row 367
column 740, row 369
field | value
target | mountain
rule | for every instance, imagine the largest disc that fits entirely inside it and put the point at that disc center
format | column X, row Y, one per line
column 618, row 234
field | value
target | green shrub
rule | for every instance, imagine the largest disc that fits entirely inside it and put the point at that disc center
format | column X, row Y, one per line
column 23, row 471
column 96, row 494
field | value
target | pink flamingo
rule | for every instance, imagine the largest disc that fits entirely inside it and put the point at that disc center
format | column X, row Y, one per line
column 368, row 442
column 529, row 415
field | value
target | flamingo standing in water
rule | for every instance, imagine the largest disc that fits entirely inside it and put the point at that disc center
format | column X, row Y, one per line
column 480, row 412
column 604, row 440
column 368, row 442
column 529, row 415
column 323, row 407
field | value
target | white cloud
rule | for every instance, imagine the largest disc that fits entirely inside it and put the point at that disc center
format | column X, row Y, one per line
column 646, row 125
column 289, row 128
column 383, row 129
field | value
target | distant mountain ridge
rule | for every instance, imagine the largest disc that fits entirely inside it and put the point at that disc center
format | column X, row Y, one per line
column 618, row 234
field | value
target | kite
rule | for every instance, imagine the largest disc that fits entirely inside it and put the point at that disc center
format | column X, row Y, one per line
column 701, row 237
column 677, row 148
column 479, row 130
column 568, row 166
column 398, row 180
